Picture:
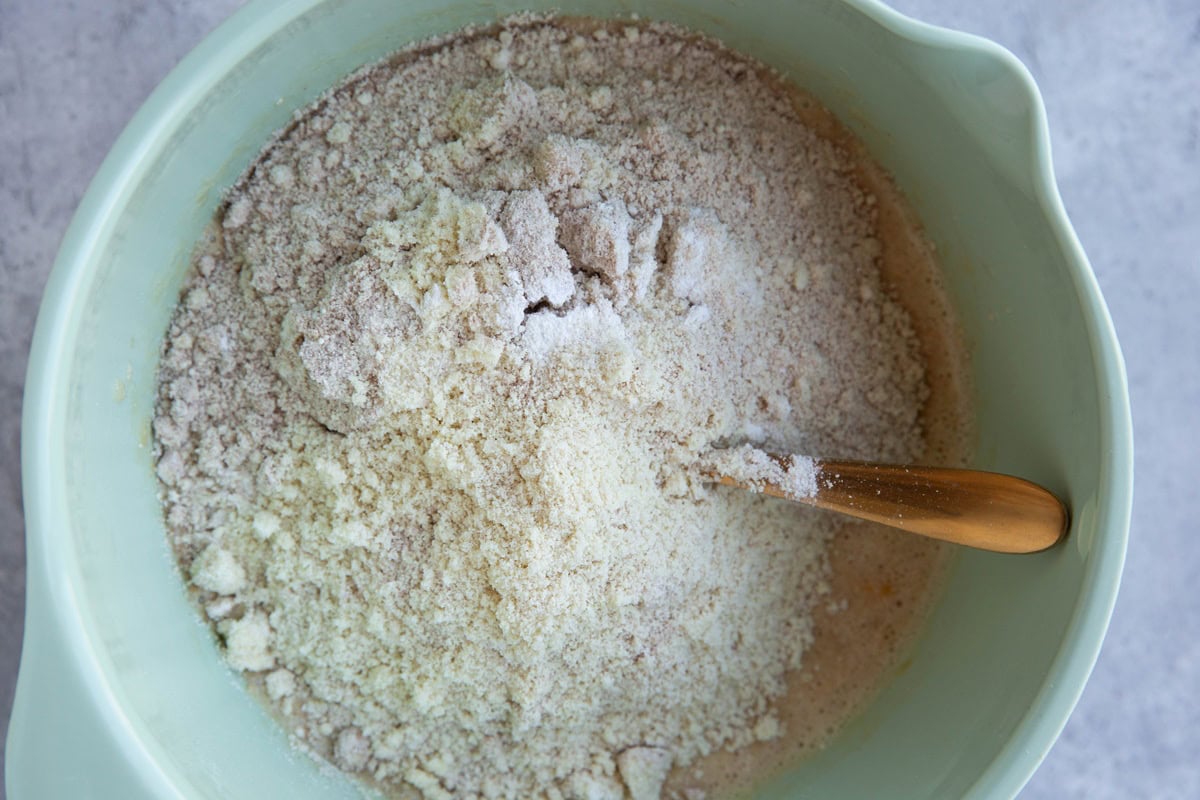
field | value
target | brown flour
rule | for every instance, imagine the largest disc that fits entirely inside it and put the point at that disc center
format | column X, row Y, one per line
column 433, row 401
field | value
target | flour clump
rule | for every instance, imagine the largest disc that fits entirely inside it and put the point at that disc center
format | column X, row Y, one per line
column 432, row 407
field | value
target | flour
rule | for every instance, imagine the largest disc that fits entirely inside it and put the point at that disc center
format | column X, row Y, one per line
column 792, row 473
column 431, row 407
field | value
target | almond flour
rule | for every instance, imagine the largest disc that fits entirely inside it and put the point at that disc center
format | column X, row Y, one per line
column 432, row 405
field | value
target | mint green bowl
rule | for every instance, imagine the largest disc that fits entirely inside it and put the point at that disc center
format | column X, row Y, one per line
column 121, row 692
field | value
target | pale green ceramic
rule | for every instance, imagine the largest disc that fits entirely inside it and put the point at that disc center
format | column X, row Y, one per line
column 121, row 692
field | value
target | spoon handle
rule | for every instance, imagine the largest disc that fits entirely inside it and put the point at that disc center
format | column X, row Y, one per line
column 985, row 510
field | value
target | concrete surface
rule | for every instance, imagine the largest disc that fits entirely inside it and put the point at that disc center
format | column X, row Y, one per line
column 1122, row 86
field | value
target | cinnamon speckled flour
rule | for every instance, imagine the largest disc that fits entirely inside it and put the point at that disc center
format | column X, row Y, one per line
column 432, row 403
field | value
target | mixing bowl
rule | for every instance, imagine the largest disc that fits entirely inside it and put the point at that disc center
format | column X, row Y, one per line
column 122, row 693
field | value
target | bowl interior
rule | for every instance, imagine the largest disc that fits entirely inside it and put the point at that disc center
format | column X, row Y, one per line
column 1008, row 649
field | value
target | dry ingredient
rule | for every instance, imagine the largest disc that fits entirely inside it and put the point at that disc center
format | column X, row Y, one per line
column 432, row 403
column 793, row 473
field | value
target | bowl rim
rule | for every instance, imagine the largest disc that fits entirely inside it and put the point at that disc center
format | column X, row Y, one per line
column 49, row 561
column 1039, row 728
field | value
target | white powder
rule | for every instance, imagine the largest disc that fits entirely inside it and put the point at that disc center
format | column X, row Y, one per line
column 792, row 473
column 432, row 404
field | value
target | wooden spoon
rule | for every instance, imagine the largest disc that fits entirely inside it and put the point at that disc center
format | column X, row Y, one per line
column 985, row 510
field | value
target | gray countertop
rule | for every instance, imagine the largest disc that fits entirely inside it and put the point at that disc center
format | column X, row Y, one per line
column 1121, row 82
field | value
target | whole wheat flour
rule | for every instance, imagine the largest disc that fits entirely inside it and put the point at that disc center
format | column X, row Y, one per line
column 432, row 403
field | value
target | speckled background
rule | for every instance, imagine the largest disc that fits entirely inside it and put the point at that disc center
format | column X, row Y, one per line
column 1122, row 87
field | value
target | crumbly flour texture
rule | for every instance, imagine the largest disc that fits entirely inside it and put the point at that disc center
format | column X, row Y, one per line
column 431, row 409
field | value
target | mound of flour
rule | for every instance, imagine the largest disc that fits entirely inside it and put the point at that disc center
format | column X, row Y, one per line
column 431, row 403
